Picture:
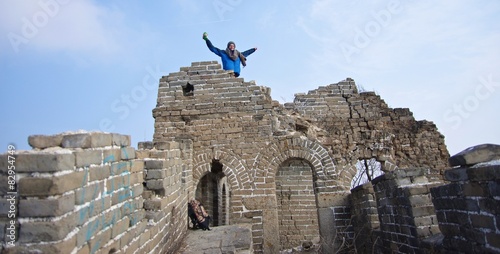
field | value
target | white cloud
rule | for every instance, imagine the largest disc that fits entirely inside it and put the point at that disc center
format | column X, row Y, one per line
column 59, row 25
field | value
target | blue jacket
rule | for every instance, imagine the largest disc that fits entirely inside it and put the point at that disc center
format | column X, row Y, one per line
column 227, row 62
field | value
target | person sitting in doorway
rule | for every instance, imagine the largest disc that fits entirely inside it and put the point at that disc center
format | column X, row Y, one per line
column 199, row 217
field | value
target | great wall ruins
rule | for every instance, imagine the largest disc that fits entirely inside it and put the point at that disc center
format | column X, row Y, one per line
column 284, row 170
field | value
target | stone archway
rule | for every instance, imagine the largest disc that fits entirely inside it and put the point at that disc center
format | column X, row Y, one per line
column 228, row 177
column 268, row 161
column 325, row 182
column 210, row 191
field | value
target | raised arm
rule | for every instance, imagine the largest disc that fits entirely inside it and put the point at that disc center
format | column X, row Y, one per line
column 210, row 46
column 248, row 52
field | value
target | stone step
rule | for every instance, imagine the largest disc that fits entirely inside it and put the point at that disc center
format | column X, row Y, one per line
column 222, row 239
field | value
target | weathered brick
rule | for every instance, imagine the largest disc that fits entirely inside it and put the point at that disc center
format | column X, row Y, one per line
column 136, row 178
column 78, row 140
column 118, row 168
column 453, row 175
column 420, row 200
column 111, row 155
column 486, row 173
column 99, row 240
column 65, row 246
column 85, row 249
column 120, row 140
column 88, row 157
column 44, row 141
column 155, row 164
column 136, row 165
column 136, row 217
column 47, row 207
column 157, row 184
column 93, row 208
column 482, row 221
column 46, row 231
column 493, row 239
column 44, row 162
column 127, row 153
column 97, row 173
column 155, row 174
column 156, row 204
column 56, row 185
column 88, row 193
column 120, row 227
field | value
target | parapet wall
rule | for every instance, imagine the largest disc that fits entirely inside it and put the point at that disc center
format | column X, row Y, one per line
column 84, row 193
column 468, row 207
column 415, row 214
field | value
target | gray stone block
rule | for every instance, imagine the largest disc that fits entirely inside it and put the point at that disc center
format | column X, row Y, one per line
column 57, row 185
column 457, row 174
column 155, row 164
column 44, row 162
column 88, row 157
column 46, row 231
column 476, row 154
column 111, row 155
column 46, row 207
column 121, row 140
column 127, row 153
column 98, row 139
column 79, row 140
column 155, row 174
column 44, row 141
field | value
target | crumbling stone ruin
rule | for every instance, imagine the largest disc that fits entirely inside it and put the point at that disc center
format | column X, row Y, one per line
column 285, row 170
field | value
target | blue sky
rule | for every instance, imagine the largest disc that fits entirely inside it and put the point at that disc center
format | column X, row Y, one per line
column 68, row 65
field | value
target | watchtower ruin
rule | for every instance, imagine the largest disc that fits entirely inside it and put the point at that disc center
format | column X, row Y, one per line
column 285, row 168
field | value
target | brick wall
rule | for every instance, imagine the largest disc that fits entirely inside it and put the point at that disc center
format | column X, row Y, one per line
column 237, row 123
column 365, row 222
column 296, row 203
column 362, row 126
column 83, row 193
column 468, row 209
column 405, row 210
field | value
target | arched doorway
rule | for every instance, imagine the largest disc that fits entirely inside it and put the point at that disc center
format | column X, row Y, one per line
column 212, row 192
column 296, row 200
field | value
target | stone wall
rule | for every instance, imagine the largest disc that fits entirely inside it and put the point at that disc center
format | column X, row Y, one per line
column 296, row 202
column 419, row 215
column 365, row 220
column 405, row 210
column 237, row 124
column 468, row 207
column 83, row 193
column 224, row 141
column 361, row 126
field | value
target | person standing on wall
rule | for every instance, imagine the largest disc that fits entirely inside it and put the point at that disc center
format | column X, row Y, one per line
column 231, row 58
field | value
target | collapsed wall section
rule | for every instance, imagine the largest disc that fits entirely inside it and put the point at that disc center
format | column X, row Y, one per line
column 362, row 126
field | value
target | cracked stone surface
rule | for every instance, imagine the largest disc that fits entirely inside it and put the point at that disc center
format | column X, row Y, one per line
column 223, row 239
